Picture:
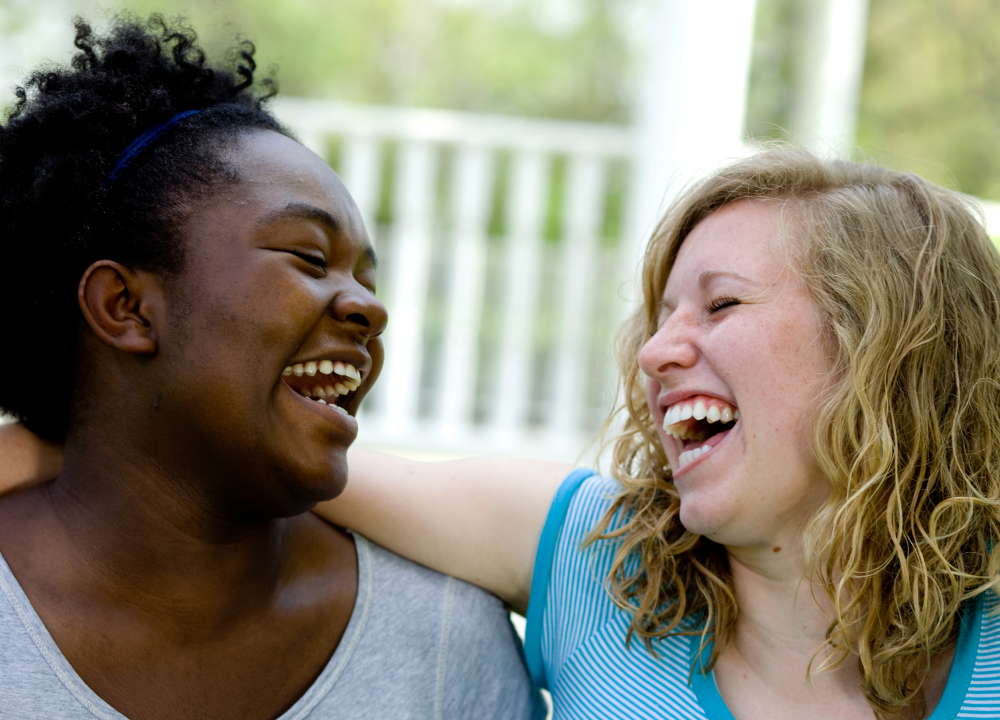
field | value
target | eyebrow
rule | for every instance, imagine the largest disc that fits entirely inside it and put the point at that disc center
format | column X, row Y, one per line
column 709, row 276
column 305, row 211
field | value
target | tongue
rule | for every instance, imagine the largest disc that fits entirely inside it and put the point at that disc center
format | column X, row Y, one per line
column 710, row 441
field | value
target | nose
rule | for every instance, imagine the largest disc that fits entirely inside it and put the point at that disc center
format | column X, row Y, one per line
column 358, row 307
column 672, row 346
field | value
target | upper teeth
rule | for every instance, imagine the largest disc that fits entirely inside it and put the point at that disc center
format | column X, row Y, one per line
column 348, row 379
column 325, row 367
column 713, row 412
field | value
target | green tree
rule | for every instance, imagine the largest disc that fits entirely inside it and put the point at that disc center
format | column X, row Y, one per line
column 478, row 56
column 931, row 98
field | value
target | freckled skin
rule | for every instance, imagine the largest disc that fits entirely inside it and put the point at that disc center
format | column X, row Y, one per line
column 756, row 489
column 763, row 353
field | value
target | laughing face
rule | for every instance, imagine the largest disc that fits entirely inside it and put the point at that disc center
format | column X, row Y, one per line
column 734, row 372
column 273, row 334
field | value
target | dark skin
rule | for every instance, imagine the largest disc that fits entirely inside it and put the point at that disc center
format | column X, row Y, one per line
column 174, row 560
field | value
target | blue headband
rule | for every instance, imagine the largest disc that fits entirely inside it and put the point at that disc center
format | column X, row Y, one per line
column 141, row 143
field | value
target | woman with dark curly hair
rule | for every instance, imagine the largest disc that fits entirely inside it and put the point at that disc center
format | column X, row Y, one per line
column 193, row 292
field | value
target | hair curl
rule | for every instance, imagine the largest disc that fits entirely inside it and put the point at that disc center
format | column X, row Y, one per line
column 61, row 139
column 908, row 283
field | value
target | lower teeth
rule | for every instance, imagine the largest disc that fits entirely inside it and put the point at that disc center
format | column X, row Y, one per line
column 690, row 455
column 335, row 407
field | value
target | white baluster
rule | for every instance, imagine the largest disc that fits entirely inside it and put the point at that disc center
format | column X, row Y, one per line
column 407, row 250
column 473, row 170
column 410, row 271
column 582, row 213
column 528, row 193
column 361, row 171
column 360, row 168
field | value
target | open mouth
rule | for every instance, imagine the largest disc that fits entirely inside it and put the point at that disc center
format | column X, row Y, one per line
column 699, row 423
column 330, row 382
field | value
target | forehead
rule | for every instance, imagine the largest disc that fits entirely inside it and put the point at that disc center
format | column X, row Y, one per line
column 740, row 237
column 273, row 173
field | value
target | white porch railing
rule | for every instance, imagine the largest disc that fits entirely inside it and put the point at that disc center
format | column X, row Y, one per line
column 503, row 248
column 504, row 241
column 500, row 263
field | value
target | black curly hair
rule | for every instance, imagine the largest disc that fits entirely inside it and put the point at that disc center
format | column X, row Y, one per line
column 57, row 147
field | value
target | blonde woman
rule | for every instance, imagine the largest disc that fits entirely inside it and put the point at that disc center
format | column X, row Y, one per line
column 802, row 512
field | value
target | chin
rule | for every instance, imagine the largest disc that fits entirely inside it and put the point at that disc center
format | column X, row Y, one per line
column 296, row 489
column 326, row 480
column 701, row 518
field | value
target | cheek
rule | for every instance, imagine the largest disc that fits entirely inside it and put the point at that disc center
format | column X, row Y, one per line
column 805, row 369
column 652, row 393
column 377, row 353
column 784, row 397
column 376, row 349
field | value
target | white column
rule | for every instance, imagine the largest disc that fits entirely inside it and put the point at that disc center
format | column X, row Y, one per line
column 830, row 66
column 692, row 106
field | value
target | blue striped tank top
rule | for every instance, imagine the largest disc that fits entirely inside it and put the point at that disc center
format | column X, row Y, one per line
column 575, row 636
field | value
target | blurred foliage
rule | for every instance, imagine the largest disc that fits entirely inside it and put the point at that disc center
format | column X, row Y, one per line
column 550, row 58
column 772, row 76
column 930, row 98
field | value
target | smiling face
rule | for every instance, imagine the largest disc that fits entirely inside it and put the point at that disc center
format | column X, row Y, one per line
column 278, row 276
column 738, row 349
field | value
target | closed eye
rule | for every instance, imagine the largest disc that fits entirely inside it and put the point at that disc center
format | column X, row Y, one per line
column 721, row 303
column 316, row 260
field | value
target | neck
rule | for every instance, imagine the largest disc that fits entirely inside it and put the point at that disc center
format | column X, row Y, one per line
column 138, row 527
column 782, row 624
column 781, row 611
column 780, row 636
column 777, row 602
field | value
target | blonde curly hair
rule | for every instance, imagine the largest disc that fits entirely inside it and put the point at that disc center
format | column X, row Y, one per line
column 908, row 284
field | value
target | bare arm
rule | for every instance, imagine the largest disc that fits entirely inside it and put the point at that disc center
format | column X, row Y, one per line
column 479, row 520
column 26, row 459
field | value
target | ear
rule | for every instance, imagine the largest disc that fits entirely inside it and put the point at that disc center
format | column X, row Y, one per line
column 120, row 305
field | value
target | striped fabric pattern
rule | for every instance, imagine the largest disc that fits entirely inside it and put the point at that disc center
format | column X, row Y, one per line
column 983, row 697
column 578, row 637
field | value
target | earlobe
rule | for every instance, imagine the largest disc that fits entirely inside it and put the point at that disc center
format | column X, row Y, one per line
column 120, row 305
